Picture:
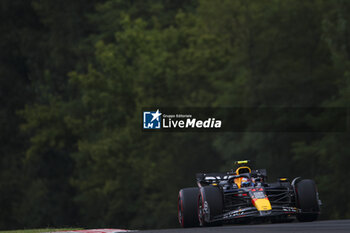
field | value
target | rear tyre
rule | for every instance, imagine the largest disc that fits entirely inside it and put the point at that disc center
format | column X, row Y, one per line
column 210, row 204
column 307, row 201
column 187, row 207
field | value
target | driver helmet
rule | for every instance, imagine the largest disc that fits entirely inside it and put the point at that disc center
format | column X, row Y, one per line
column 245, row 181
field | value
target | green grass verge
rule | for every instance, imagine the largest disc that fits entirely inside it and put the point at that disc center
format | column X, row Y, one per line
column 41, row 230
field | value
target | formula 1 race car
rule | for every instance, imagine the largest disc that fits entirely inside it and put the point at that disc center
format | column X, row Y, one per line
column 244, row 195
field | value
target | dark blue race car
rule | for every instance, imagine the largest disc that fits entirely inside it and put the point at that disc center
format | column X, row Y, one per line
column 243, row 195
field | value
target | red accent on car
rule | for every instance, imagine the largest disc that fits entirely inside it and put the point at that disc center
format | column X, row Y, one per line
column 182, row 210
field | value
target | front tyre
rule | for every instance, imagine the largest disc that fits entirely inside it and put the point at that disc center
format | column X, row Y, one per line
column 307, row 201
column 187, row 207
column 210, row 204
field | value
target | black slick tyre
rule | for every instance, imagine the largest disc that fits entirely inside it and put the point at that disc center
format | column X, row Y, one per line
column 307, row 201
column 187, row 207
column 210, row 204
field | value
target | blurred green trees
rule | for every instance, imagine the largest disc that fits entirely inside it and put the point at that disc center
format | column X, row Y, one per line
column 75, row 75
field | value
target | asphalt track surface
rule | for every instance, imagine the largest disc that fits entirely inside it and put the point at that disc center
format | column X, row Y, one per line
column 332, row 226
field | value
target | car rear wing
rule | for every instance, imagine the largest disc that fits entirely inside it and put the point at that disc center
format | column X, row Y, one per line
column 210, row 178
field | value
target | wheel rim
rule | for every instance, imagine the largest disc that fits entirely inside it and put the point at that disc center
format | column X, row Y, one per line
column 200, row 211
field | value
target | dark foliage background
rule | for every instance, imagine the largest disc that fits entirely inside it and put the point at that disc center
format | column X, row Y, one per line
column 75, row 74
